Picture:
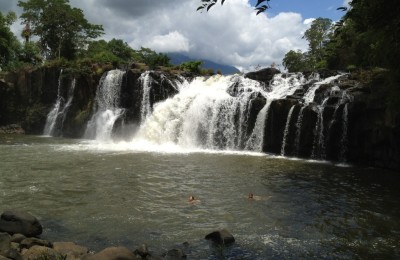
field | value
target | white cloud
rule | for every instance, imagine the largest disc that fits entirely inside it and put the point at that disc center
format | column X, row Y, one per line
column 232, row 34
column 171, row 42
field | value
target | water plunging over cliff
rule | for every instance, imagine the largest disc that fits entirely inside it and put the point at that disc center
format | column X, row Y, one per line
column 56, row 117
column 293, row 115
column 107, row 106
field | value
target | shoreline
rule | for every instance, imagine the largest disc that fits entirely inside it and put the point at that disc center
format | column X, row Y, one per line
column 20, row 239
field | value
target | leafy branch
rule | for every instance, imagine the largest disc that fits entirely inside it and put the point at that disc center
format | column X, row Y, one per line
column 207, row 4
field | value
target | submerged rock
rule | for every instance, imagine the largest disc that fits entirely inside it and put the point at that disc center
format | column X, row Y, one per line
column 221, row 237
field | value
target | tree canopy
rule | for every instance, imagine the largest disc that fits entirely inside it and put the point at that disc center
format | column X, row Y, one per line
column 62, row 30
column 9, row 44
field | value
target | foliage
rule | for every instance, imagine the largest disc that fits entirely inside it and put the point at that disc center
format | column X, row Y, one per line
column 191, row 66
column 115, row 51
column 294, row 61
column 30, row 53
column 9, row 45
column 261, row 5
column 62, row 30
column 317, row 36
column 151, row 58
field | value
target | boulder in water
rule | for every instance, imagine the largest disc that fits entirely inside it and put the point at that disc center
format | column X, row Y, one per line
column 221, row 237
column 263, row 75
column 14, row 222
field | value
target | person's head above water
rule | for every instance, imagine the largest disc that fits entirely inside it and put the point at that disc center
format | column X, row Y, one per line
column 251, row 195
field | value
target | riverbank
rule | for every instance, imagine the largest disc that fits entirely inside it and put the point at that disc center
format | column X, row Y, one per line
column 20, row 239
column 12, row 129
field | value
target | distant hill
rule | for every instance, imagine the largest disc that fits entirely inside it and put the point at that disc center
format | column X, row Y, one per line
column 178, row 58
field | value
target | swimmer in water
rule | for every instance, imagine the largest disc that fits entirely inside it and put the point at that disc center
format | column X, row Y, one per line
column 193, row 200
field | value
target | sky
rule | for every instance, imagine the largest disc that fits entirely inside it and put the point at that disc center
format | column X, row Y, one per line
column 232, row 34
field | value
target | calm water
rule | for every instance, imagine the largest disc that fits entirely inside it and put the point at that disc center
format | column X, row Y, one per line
column 104, row 195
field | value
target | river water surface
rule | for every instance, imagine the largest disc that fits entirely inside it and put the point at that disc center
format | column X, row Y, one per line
column 104, row 195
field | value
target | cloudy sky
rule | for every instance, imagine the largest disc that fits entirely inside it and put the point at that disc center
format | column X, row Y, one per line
column 231, row 34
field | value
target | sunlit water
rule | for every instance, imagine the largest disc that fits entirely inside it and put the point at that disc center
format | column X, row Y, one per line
column 103, row 195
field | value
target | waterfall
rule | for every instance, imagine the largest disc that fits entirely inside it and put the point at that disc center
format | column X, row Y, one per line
column 256, row 140
column 319, row 149
column 298, row 132
column 310, row 95
column 107, row 109
column 343, row 141
column 56, row 117
column 145, row 108
column 286, row 131
column 52, row 116
column 202, row 115
column 220, row 113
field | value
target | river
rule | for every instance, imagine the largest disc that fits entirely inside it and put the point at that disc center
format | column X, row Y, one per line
column 101, row 195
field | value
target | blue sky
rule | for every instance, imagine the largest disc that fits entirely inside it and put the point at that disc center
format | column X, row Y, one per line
column 307, row 8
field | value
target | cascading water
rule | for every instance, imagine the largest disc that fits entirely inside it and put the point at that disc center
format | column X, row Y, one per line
column 56, row 117
column 52, row 116
column 145, row 108
column 221, row 113
column 318, row 151
column 298, row 132
column 202, row 115
column 286, row 132
column 107, row 109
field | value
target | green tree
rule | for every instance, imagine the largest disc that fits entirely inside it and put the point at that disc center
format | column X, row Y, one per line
column 9, row 45
column 294, row 61
column 318, row 35
column 152, row 58
column 191, row 66
column 30, row 53
column 62, row 30
column 115, row 50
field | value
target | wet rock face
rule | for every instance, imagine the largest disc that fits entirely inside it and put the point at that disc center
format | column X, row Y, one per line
column 275, row 124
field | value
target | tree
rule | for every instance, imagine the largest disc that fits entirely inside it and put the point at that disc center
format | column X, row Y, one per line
column 191, row 66
column 294, row 61
column 115, row 50
column 152, row 58
column 9, row 45
column 62, row 30
column 318, row 36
